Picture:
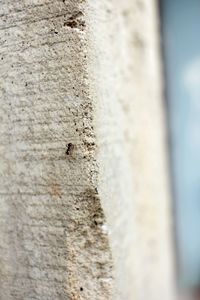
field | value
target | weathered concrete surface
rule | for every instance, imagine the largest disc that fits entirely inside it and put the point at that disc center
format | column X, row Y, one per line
column 52, row 239
column 82, row 130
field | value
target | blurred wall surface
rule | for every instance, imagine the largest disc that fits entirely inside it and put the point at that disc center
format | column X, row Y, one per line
column 133, row 150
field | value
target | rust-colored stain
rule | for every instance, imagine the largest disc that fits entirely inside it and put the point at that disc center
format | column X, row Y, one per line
column 55, row 190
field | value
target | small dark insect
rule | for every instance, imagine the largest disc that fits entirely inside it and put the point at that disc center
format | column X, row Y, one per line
column 70, row 148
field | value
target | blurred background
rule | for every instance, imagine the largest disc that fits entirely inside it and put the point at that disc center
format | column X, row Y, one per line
column 180, row 20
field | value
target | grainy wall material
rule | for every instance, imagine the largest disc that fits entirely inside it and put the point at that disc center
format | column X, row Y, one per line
column 82, row 132
column 52, row 241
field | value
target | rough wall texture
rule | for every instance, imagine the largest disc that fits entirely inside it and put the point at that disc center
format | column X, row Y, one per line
column 52, row 241
column 82, row 128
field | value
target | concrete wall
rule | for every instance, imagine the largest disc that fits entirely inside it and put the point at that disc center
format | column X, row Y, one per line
column 132, row 146
column 84, row 210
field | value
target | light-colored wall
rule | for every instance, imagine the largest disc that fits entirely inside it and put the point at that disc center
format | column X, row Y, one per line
column 132, row 150
column 83, row 179
column 52, row 244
